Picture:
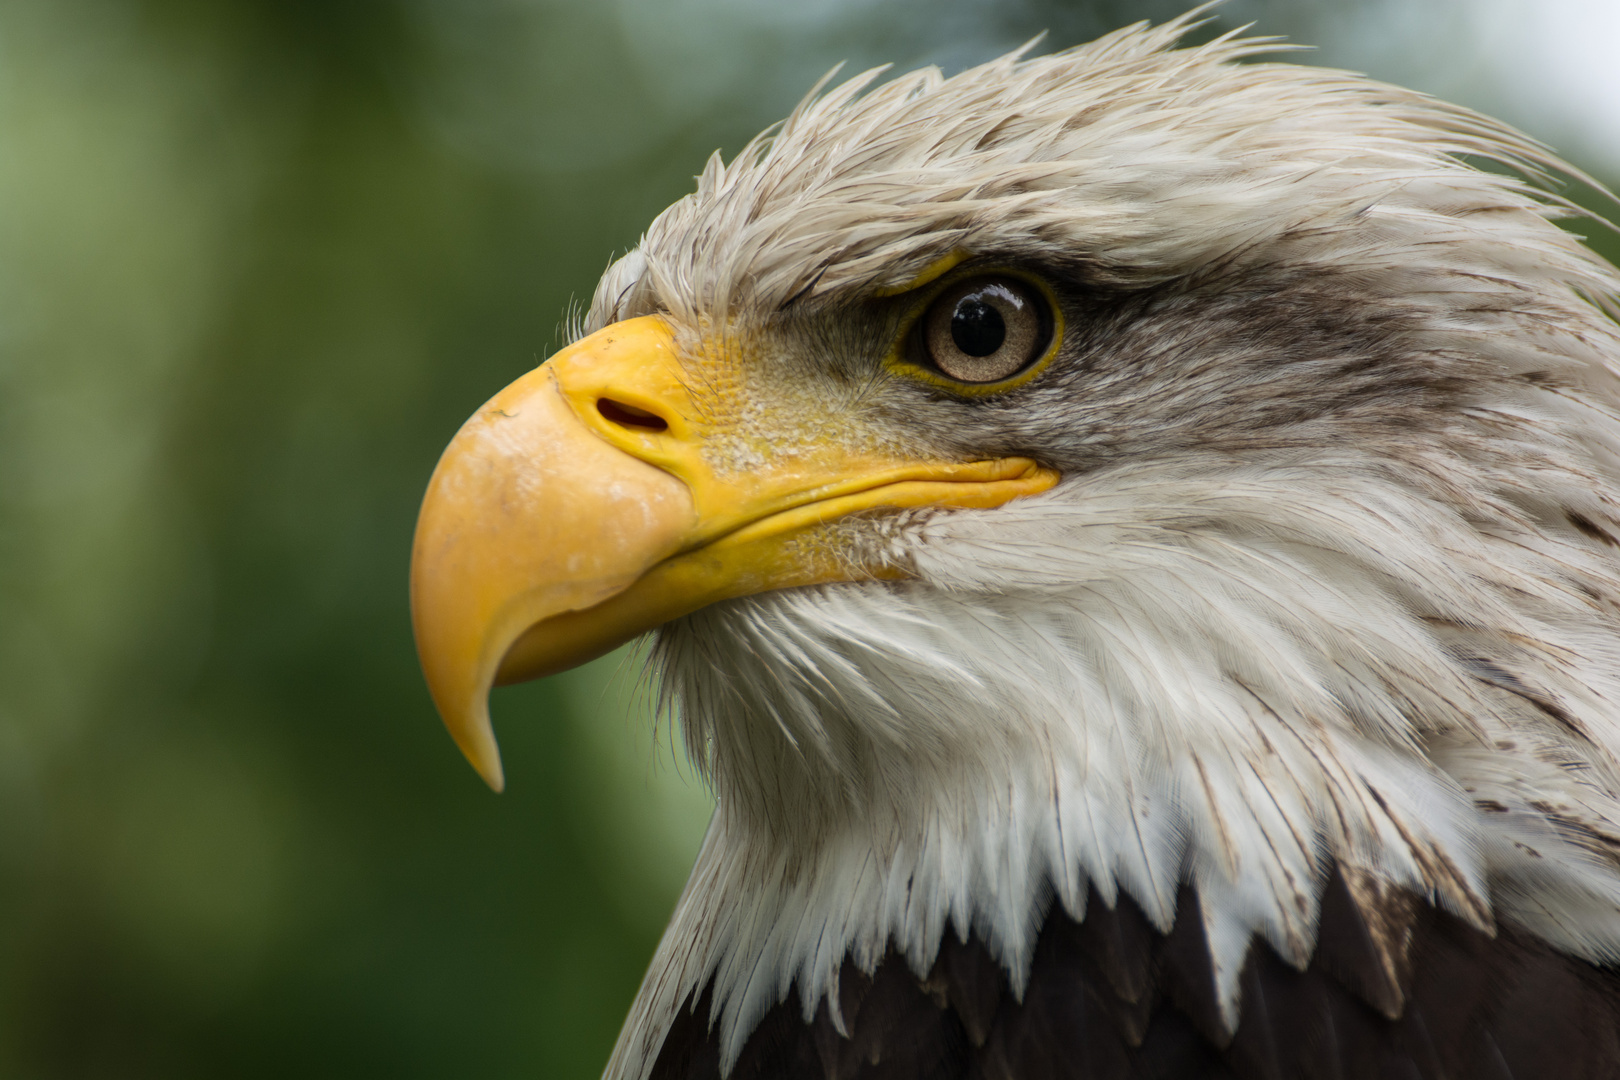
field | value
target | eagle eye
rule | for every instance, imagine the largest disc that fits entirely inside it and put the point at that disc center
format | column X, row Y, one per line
column 985, row 329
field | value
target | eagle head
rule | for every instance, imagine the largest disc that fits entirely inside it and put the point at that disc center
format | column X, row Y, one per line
column 1133, row 473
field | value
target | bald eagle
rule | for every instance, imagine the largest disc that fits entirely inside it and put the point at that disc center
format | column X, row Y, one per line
column 1132, row 537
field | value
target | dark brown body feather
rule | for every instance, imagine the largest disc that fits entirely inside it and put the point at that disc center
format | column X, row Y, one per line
column 1110, row 998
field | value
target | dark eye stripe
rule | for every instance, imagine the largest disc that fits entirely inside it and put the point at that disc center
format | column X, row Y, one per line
column 985, row 329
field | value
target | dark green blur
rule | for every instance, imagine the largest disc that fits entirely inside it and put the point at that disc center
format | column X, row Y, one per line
column 258, row 260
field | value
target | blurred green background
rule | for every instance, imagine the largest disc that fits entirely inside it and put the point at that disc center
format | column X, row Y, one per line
column 258, row 259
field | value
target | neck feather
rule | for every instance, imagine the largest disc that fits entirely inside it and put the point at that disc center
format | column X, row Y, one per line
column 1135, row 683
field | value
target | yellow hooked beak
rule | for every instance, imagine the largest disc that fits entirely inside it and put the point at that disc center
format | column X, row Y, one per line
column 582, row 507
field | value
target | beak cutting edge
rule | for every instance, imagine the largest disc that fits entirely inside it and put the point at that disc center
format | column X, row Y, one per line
column 579, row 508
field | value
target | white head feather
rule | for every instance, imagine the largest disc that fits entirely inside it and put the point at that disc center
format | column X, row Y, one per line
column 1331, row 577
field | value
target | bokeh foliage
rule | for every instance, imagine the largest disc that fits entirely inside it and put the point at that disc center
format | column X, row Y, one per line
column 258, row 259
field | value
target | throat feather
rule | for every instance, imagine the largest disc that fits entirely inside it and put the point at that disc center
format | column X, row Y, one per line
column 906, row 765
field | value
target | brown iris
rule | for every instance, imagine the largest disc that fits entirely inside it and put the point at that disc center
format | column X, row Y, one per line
column 985, row 329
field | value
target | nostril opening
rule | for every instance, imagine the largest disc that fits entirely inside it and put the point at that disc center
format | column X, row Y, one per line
column 617, row 412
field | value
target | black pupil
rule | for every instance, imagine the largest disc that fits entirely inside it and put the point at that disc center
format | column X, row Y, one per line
column 977, row 327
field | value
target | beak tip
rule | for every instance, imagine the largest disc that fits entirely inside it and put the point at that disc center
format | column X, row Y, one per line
column 475, row 737
column 487, row 764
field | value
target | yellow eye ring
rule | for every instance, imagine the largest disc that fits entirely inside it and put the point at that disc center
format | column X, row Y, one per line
column 903, row 357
